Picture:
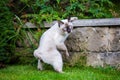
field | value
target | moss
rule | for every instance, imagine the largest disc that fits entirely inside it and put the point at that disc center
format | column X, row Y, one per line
column 78, row 59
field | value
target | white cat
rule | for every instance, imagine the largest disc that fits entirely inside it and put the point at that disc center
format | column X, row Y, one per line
column 52, row 40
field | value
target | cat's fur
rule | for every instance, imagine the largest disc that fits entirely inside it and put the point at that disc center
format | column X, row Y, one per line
column 52, row 40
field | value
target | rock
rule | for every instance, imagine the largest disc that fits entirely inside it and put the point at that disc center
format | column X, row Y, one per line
column 95, row 59
column 103, row 59
column 29, row 25
column 98, row 39
column 77, row 58
column 115, row 42
column 101, row 43
column 77, row 40
column 28, row 41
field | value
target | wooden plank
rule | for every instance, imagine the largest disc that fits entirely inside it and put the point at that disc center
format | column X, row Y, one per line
column 47, row 25
column 91, row 22
column 97, row 22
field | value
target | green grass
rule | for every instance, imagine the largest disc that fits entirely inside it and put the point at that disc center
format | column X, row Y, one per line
column 28, row 72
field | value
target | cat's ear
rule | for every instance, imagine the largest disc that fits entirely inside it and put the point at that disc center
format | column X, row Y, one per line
column 71, row 19
column 60, row 23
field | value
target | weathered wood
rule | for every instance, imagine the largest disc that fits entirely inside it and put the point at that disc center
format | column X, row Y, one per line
column 47, row 25
column 82, row 23
column 91, row 22
column 97, row 22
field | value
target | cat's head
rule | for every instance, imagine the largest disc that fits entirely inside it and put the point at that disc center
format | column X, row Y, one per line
column 66, row 26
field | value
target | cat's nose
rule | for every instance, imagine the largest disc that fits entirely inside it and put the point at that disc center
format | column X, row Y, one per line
column 68, row 30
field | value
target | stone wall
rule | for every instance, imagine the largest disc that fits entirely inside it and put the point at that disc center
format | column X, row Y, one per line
column 98, row 46
column 92, row 45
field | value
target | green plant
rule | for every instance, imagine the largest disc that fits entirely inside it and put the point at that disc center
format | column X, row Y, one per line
column 48, row 10
column 10, row 34
column 89, row 9
column 6, row 32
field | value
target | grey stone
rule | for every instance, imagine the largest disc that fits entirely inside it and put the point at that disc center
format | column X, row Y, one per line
column 77, row 58
column 95, row 59
column 115, row 42
column 99, row 39
column 101, row 43
column 103, row 59
column 29, row 25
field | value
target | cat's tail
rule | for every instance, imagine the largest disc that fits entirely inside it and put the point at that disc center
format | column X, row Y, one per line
column 36, row 54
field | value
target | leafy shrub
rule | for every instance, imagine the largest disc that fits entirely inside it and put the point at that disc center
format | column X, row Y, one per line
column 6, row 32
column 48, row 10
column 9, row 34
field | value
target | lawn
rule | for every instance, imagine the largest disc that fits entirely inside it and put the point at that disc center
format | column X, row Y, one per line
column 28, row 72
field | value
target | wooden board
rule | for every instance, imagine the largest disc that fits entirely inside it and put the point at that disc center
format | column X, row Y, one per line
column 82, row 23
column 97, row 22
column 91, row 22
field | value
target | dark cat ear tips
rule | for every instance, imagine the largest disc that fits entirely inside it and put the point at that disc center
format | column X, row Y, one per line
column 60, row 23
column 69, row 19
